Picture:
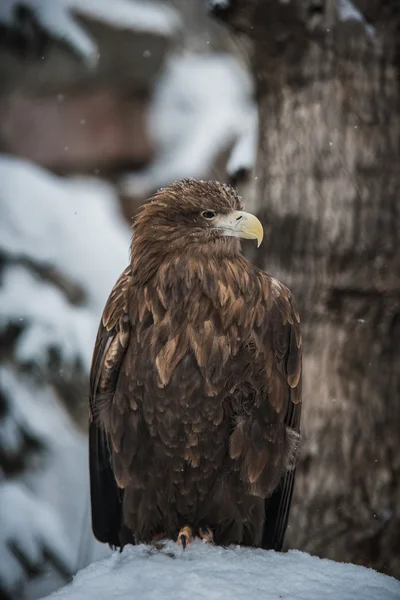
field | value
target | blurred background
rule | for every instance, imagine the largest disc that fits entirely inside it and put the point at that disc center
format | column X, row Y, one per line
column 296, row 104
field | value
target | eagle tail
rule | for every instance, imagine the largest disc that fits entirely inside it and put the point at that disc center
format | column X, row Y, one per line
column 277, row 508
column 105, row 496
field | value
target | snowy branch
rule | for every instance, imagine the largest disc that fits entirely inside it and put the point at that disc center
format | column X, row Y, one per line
column 56, row 235
column 347, row 11
column 72, row 226
column 243, row 156
column 30, row 536
column 203, row 105
column 61, row 327
column 58, row 19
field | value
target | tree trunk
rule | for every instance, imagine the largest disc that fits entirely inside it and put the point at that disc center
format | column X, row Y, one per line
column 326, row 188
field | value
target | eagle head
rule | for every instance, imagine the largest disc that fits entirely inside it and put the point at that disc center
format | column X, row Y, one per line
column 192, row 214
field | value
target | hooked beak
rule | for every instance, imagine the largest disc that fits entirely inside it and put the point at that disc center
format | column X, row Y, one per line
column 240, row 224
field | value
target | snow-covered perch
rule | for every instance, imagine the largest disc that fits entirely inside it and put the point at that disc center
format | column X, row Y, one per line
column 215, row 573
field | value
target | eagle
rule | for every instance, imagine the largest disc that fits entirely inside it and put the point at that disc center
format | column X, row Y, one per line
column 195, row 383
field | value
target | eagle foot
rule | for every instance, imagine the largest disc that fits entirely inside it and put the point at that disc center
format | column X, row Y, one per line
column 206, row 534
column 184, row 536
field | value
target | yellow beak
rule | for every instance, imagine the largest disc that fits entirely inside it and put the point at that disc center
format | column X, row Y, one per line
column 240, row 224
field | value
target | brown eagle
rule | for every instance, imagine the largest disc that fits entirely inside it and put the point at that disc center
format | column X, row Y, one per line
column 195, row 382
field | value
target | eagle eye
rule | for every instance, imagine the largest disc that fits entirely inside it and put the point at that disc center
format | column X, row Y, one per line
column 208, row 214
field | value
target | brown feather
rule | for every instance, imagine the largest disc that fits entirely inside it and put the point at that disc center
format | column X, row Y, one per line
column 236, row 442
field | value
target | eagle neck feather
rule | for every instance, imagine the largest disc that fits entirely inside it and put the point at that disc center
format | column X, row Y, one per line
column 149, row 256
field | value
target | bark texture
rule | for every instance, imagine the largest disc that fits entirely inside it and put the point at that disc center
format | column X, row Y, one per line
column 326, row 188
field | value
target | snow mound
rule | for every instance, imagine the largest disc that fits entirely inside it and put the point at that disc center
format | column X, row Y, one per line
column 214, row 573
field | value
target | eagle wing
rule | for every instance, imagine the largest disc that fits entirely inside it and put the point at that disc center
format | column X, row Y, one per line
column 285, row 322
column 109, row 351
column 265, row 439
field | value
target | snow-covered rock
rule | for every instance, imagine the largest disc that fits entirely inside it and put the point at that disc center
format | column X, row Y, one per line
column 215, row 573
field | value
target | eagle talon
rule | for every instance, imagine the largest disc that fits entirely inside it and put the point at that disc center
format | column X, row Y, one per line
column 207, row 535
column 184, row 536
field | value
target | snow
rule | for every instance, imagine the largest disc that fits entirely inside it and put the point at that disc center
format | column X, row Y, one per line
column 57, row 18
column 244, row 152
column 63, row 484
column 348, row 12
column 31, row 410
column 215, row 573
column 44, row 331
column 41, row 510
column 218, row 4
column 69, row 226
column 46, row 509
column 203, row 104
column 32, row 527
column 72, row 225
column 72, row 228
